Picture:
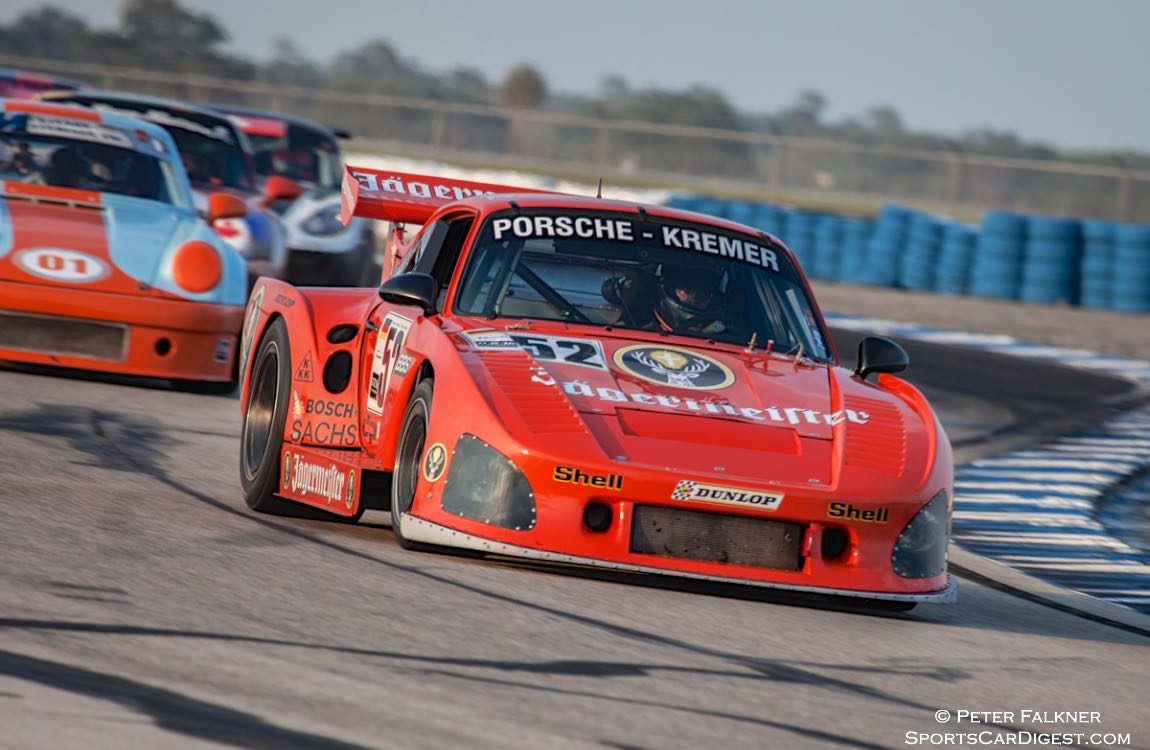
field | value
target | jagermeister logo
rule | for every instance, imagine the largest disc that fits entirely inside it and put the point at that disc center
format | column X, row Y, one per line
column 679, row 368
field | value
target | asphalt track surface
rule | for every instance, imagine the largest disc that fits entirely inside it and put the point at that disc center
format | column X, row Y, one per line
column 141, row 605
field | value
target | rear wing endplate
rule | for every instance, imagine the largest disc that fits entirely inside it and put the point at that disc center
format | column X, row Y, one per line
column 407, row 198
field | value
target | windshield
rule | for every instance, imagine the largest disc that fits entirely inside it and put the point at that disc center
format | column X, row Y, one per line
column 34, row 150
column 614, row 269
column 212, row 163
column 303, row 155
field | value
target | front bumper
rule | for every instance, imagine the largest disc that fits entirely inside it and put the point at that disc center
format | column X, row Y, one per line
column 420, row 530
column 147, row 336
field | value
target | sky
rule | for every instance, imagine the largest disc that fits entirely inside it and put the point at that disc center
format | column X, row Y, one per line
column 1070, row 73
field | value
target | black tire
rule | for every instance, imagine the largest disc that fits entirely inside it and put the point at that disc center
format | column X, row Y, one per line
column 409, row 459
column 263, row 427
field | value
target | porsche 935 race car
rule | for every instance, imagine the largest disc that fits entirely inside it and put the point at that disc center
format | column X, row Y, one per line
column 217, row 158
column 322, row 250
column 105, row 263
column 595, row 382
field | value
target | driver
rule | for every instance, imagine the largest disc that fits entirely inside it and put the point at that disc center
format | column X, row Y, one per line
column 689, row 299
column 677, row 299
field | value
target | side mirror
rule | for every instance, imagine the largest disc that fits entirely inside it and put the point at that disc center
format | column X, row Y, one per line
column 416, row 289
column 225, row 206
column 877, row 354
column 277, row 187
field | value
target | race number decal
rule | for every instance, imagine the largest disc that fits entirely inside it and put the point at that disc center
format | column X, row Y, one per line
column 388, row 348
column 572, row 351
column 58, row 264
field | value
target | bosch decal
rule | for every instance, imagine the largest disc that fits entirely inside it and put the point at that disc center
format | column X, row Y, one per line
column 714, row 493
column 339, row 434
column 329, row 408
column 678, row 368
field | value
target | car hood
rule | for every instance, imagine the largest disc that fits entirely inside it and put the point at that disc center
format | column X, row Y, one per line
column 76, row 238
column 711, row 409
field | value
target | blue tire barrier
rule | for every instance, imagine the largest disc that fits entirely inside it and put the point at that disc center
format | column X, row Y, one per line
column 886, row 245
column 998, row 253
column 919, row 259
column 681, row 201
column 954, row 260
column 742, row 212
column 769, row 218
column 828, row 248
column 711, row 207
column 1051, row 261
column 1130, row 283
column 799, row 236
column 856, row 240
column 1095, row 288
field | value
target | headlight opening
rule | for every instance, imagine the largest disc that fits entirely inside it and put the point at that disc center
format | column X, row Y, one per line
column 920, row 551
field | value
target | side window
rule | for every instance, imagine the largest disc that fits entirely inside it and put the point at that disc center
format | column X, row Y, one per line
column 443, row 264
column 430, row 239
column 442, row 253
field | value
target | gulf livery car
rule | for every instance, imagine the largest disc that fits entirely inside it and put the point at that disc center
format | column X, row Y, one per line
column 105, row 263
column 595, row 382
column 321, row 248
column 217, row 157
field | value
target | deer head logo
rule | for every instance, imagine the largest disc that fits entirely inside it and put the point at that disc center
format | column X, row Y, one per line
column 680, row 368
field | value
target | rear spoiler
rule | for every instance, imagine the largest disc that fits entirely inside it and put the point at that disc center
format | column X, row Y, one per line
column 407, row 198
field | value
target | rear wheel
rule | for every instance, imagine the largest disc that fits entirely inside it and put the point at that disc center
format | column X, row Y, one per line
column 409, row 458
column 263, row 426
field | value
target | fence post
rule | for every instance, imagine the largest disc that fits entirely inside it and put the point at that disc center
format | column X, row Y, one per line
column 954, row 187
column 775, row 172
column 1122, row 208
column 438, row 128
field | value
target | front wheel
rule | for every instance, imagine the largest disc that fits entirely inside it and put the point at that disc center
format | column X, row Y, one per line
column 409, row 459
column 263, row 426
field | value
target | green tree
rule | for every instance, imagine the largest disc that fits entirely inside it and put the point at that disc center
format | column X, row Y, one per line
column 523, row 88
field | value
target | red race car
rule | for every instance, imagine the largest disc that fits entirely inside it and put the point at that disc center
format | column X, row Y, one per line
column 588, row 381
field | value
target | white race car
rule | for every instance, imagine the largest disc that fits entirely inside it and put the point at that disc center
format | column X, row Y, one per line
column 323, row 251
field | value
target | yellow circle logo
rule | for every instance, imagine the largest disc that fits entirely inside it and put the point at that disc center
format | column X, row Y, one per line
column 678, row 368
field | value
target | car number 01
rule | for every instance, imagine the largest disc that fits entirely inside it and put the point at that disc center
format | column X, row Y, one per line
column 62, row 265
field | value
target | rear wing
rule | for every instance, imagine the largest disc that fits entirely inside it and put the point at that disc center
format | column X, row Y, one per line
column 407, row 198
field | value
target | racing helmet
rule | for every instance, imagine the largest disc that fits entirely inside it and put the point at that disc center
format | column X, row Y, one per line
column 688, row 293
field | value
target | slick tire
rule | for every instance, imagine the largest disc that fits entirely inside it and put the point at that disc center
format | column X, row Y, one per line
column 409, row 460
column 263, row 427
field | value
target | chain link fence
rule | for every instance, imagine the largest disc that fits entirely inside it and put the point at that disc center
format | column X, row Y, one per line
column 813, row 172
